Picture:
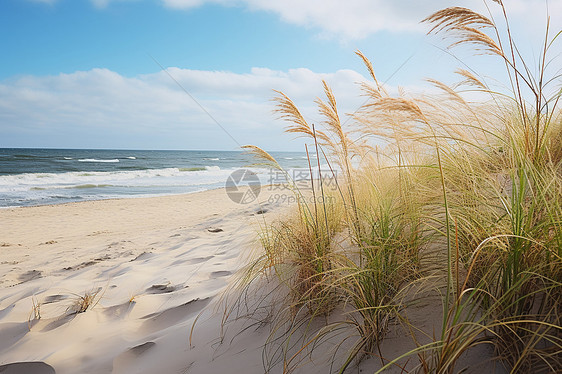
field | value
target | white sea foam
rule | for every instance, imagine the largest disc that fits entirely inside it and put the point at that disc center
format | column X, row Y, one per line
column 131, row 158
column 67, row 158
column 129, row 178
column 96, row 160
column 46, row 188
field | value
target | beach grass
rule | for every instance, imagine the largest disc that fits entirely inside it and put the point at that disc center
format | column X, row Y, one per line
column 88, row 300
column 429, row 187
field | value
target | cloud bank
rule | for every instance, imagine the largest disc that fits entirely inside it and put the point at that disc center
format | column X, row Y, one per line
column 358, row 19
column 101, row 108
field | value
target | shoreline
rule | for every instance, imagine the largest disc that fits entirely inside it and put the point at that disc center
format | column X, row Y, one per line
column 44, row 177
column 134, row 197
column 130, row 197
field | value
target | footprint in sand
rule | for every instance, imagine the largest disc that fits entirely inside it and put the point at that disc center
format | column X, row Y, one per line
column 143, row 256
column 9, row 245
column 32, row 367
column 141, row 348
column 120, row 310
column 173, row 248
column 160, row 288
column 221, row 273
column 169, row 317
column 198, row 260
column 98, row 233
column 29, row 275
column 260, row 211
column 54, row 298
column 124, row 361
column 80, row 266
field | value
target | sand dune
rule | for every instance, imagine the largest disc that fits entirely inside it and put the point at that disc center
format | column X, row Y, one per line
column 151, row 266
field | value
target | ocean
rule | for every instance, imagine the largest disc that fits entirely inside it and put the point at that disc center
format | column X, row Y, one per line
column 30, row 177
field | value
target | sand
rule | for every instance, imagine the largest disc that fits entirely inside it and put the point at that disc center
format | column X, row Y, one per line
column 157, row 262
column 154, row 266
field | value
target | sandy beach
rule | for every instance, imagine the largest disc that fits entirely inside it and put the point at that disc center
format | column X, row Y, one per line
column 154, row 266
column 157, row 262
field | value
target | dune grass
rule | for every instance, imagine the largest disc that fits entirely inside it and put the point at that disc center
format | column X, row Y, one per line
column 35, row 313
column 82, row 303
column 469, row 193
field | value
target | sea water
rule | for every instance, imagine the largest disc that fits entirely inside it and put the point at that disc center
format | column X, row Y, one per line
column 31, row 177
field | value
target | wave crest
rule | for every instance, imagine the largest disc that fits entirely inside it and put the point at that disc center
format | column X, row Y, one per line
column 97, row 160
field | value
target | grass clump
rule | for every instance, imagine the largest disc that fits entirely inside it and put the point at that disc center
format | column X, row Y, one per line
column 469, row 193
column 35, row 313
column 84, row 302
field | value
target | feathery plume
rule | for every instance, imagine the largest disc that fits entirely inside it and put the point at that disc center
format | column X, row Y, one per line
column 264, row 157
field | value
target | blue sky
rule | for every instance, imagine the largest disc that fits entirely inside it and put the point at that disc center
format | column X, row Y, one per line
column 82, row 73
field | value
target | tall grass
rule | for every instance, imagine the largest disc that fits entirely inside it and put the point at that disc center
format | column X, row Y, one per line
column 470, row 193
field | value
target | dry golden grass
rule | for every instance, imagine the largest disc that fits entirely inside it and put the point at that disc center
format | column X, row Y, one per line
column 84, row 302
column 468, row 192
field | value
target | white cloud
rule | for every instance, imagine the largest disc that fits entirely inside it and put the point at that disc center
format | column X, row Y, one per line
column 357, row 19
column 351, row 19
column 100, row 108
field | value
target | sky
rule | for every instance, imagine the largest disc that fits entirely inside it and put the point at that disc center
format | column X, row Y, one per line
column 201, row 74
